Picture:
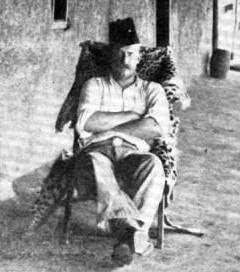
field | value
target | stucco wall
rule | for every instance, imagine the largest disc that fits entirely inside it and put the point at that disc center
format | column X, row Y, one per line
column 37, row 70
column 38, row 65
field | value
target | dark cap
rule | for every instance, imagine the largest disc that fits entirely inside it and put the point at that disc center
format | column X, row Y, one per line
column 123, row 32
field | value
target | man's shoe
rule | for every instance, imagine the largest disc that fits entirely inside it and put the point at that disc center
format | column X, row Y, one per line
column 122, row 254
column 124, row 250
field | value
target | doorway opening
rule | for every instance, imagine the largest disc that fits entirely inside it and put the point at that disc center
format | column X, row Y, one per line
column 163, row 22
column 60, row 14
column 229, row 29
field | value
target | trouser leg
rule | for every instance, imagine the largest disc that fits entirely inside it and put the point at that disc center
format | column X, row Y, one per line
column 112, row 202
column 127, row 186
column 143, row 180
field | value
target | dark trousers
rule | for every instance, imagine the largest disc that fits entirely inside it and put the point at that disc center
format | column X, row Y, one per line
column 128, row 183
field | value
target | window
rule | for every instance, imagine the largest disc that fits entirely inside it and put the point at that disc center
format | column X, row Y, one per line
column 60, row 14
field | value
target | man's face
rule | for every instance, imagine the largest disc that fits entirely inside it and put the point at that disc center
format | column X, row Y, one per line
column 125, row 60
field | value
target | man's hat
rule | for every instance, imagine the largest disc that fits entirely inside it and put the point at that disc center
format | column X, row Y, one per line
column 123, row 32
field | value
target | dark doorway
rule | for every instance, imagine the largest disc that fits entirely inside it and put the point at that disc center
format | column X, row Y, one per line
column 163, row 24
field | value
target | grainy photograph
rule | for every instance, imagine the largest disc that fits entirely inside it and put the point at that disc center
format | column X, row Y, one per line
column 119, row 135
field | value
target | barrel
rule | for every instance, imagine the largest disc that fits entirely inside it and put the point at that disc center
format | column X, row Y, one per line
column 220, row 63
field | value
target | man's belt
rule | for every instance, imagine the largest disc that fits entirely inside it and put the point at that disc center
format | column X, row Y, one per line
column 113, row 142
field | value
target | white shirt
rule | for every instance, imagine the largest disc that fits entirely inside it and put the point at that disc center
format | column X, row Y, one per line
column 105, row 94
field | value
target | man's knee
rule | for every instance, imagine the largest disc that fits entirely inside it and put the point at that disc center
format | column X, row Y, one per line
column 144, row 162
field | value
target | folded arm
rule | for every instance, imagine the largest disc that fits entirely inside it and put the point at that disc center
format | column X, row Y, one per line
column 101, row 121
column 124, row 122
column 92, row 120
column 141, row 128
column 156, row 120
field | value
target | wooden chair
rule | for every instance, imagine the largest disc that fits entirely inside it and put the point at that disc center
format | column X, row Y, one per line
column 156, row 65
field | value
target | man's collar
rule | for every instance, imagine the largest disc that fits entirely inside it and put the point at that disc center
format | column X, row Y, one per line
column 135, row 83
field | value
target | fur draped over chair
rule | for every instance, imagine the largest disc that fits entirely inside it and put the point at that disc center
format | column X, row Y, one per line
column 156, row 65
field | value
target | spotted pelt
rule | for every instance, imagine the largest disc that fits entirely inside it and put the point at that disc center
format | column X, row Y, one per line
column 55, row 189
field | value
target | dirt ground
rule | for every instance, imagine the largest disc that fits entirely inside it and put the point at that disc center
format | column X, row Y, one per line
column 206, row 197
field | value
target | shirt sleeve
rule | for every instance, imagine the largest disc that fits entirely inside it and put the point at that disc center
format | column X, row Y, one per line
column 89, row 102
column 157, row 106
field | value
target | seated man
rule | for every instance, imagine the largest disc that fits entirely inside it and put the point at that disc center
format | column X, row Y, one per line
column 117, row 116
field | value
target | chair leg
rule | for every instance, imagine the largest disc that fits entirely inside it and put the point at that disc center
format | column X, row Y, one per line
column 67, row 216
column 160, row 236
